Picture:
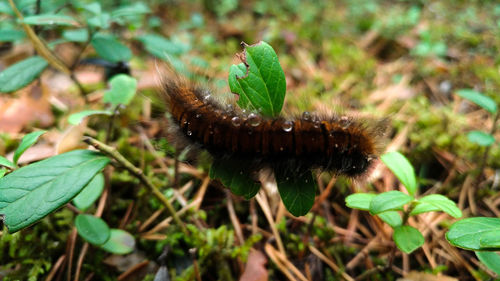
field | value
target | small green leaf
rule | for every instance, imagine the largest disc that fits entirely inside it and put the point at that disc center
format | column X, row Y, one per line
column 481, row 138
column 120, row 242
column 162, row 47
column 392, row 218
column 233, row 174
column 389, row 201
column 490, row 259
column 122, row 90
column 76, row 118
column 76, row 35
column 6, row 163
column 50, row 19
column 297, row 192
column 90, row 193
column 479, row 99
column 402, row 169
column 421, row 208
column 101, row 20
column 27, row 141
column 490, row 240
column 407, row 238
column 21, row 74
column 107, row 47
column 130, row 10
column 11, row 35
column 32, row 192
column 93, row 229
column 359, row 201
column 442, row 203
column 467, row 233
column 2, row 172
column 262, row 85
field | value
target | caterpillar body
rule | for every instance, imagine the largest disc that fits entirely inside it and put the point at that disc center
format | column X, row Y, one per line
column 339, row 144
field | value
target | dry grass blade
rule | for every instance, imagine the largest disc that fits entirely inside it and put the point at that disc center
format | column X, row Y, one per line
column 264, row 205
column 283, row 264
column 55, row 268
column 330, row 263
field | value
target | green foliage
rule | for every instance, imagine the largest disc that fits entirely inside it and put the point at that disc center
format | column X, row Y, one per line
column 90, row 193
column 233, row 175
column 120, row 242
column 109, row 48
column 490, row 259
column 481, row 138
column 21, row 74
column 76, row 118
column 474, row 233
column 122, row 90
column 407, row 238
column 389, row 201
column 479, row 99
column 53, row 182
column 50, row 19
column 402, row 169
column 297, row 192
column 93, row 229
column 27, row 141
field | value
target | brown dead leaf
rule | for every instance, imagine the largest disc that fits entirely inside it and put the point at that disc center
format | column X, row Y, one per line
column 32, row 107
column 255, row 269
column 423, row 276
column 35, row 153
column 72, row 138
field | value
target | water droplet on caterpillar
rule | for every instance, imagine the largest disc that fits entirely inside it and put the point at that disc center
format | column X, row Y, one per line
column 241, row 172
column 287, row 126
column 306, row 116
column 281, row 148
column 345, row 122
column 206, row 97
column 236, row 121
column 189, row 133
column 254, row 119
column 198, row 115
column 229, row 107
column 250, row 132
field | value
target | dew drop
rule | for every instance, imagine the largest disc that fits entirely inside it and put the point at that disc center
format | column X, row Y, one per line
column 281, row 148
column 189, row 133
column 306, row 116
column 236, row 121
column 345, row 122
column 241, row 172
column 224, row 117
column 185, row 122
column 211, row 132
column 206, row 97
column 306, row 181
column 287, row 126
column 229, row 107
column 198, row 115
column 287, row 178
column 254, row 120
column 336, row 145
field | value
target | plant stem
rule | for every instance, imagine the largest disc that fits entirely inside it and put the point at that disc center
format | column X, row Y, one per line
column 487, row 150
column 113, row 153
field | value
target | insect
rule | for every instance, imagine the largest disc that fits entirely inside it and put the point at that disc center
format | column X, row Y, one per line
column 340, row 144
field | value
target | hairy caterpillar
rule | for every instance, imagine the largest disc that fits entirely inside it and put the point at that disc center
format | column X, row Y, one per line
column 339, row 144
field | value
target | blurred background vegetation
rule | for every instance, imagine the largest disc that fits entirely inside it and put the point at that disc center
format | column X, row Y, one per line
column 402, row 60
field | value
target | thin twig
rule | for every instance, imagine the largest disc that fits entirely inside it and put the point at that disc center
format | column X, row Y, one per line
column 112, row 152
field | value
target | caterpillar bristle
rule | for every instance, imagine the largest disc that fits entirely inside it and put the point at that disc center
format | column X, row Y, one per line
column 340, row 144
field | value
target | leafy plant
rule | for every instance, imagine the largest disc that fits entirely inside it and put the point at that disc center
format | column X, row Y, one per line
column 389, row 206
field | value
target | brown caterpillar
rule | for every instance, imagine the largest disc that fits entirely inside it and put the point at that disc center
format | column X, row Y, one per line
column 339, row 144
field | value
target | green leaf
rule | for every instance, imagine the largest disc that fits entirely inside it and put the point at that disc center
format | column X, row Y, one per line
column 389, row 201
column 443, row 204
column 93, row 229
column 297, row 192
column 27, row 141
column 90, row 193
column 476, row 97
column 21, row 74
column 122, row 90
column 407, row 238
column 2, row 172
column 76, row 35
column 11, row 35
column 467, row 233
column 76, row 118
column 6, row 163
column 262, row 85
column 359, row 201
column 120, row 242
column 50, row 19
column 107, row 47
column 130, row 10
column 101, row 21
column 162, row 47
column 490, row 259
column 481, row 138
column 421, row 208
column 32, row 192
column 233, row 174
column 392, row 218
column 402, row 169
column 490, row 240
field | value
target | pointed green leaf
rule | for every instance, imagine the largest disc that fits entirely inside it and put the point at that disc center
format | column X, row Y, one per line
column 490, row 239
column 490, row 259
column 402, row 169
column 93, row 229
column 122, row 90
column 120, row 242
column 389, row 201
column 76, row 35
column 297, row 192
column 407, row 238
column 262, row 85
column 421, row 208
column 90, row 193
column 21, row 74
column 50, row 19
column 32, row 192
column 359, row 201
column 478, row 98
column 11, row 35
column 392, row 218
column 6, row 163
column 234, row 174
column 467, row 233
column 442, row 203
column 76, row 118
column 27, row 141
column 111, row 49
